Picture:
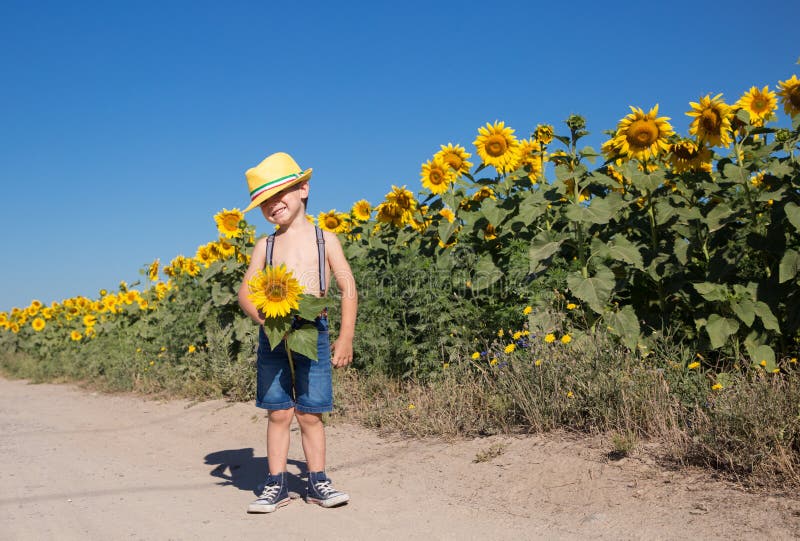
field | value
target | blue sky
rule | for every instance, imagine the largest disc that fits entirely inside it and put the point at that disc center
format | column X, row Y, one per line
column 125, row 126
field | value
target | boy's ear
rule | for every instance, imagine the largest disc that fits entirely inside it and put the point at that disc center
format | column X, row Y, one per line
column 303, row 189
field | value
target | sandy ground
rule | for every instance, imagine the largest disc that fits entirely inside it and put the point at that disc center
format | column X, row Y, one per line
column 82, row 465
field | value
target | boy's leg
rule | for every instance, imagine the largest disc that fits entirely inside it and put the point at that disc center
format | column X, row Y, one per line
column 278, row 428
column 313, row 435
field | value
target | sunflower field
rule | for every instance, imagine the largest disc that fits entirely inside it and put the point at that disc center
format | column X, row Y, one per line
column 657, row 242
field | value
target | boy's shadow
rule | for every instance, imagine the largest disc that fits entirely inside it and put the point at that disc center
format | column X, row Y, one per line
column 240, row 468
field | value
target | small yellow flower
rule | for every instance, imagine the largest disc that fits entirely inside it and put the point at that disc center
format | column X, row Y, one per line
column 537, row 362
column 411, row 406
column 152, row 363
column 793, row 360
column 138, row 350
column 445, row 366
column 571, row 306
column 500, row 333
column 566, row 339
column 517, row 335
column 75, row 336
column 527, row 310
column 493, row 362
column 163, row 348
column 510, row 348
column 570, row 395
column 550, row 338
column 700, row 357
column 191, row 348
column 776, row 370
column 476, row 356
column 716, row 387
column 763, row 362
column 468, row 283
column 693, row 365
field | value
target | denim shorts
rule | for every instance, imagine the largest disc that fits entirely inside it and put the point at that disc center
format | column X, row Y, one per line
column 312, row 389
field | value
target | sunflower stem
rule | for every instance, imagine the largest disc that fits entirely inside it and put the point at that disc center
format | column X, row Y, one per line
column 651, row 211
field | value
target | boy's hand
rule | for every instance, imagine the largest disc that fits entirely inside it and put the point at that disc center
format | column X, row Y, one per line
column 342, row 351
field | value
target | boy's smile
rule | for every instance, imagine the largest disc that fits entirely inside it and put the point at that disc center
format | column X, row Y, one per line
column 283, row 207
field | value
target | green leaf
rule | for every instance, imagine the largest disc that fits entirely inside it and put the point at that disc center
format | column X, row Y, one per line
column 745, row 310
column 311, row 306
column 446, row 230
column 711, row 291
column 276, row 328
column 541, row 250
column 790, row 266
column 793, row 214
column 717, row 217
column 719, row 329
column 221, row 295
column 486, row 273
column 242, row 327
column 765, row 354
column 767, row 317
column 492, row 212
column 594, row 291
column 621, row 249
column 780, row 169
column 304, row 341
column 599, row 211
column 625, row 324
column 681, row 251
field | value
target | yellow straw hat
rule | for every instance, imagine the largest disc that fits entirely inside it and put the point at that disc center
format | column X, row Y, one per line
column 277, row 172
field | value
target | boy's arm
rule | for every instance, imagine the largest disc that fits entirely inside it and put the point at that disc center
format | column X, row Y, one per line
column 340, row 268
column 257, row 260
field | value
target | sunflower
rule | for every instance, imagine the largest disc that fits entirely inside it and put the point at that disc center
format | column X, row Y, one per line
column 38, row 324
column 391, row 213
column 75, row 336
column 89, row 320
column 152, row 271
column 362, row 210
column 497, row 146
column 489, row 232
column 402, row 198
column 205, row 254
column 530, row 157
column 274, row 291
column 437, row 175
column 790, row 95
column 712, row 121
column 643, row 135
column 190, row 267
column 483, row 193
column 332, row 221
column 543, row 134
column 228, row 222
column 685, row 155
column 447, row 214
column 456, row 157
column 761, row 104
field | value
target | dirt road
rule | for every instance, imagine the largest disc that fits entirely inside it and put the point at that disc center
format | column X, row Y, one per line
column 82, row 465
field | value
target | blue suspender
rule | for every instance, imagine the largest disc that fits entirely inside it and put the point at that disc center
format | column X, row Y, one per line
column 320, row 256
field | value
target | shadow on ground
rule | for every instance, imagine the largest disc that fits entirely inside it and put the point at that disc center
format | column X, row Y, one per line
column 242, row 469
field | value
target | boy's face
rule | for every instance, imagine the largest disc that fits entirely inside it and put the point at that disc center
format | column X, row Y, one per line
column 283, row 207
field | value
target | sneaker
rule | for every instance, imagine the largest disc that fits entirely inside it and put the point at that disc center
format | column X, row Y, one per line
column 274, row 495
column 321, row 492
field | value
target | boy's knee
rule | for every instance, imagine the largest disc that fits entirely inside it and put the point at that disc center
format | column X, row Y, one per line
column 281, row 416
column 309, row 419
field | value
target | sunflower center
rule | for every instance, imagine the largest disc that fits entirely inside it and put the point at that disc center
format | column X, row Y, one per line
column 794, row 96
column 331, row 222
column 454, row 161
column 276, row 291
column 436, row 177
column 496, row 145
column 685, row 151
column 759, row 105
column 231, row 222
column 642, row 133
column 710, row 120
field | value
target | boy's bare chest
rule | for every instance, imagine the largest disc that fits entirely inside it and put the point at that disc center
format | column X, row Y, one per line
column 302, row 259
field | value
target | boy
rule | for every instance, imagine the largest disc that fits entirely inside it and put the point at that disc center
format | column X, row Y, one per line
column 280, row 188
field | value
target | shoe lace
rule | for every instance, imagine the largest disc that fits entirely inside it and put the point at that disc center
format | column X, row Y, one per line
column 325, row 488
column 269, row 491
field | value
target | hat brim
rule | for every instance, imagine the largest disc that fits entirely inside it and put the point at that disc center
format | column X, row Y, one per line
column 269, row 193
